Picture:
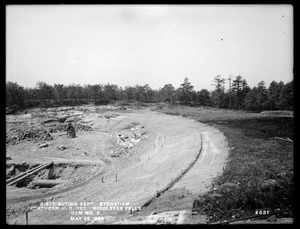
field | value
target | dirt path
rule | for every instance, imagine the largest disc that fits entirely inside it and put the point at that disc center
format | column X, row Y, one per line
column 210, row 163
column 173, row 144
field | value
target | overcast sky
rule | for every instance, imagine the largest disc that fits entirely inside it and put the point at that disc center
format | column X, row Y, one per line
column 154, row 44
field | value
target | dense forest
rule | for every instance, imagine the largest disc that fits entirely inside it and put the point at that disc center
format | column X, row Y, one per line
column 238, row 95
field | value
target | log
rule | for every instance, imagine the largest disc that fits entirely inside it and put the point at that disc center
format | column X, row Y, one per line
column 49, row 183
column 22, row 174
column 30, row 173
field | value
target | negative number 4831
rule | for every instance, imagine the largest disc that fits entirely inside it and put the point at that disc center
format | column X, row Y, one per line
column 262, row 212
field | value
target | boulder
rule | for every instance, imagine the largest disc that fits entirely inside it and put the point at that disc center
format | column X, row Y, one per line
column 61, row 147
column 43, row 145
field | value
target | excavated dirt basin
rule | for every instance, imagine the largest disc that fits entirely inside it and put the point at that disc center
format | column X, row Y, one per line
column 138, row 154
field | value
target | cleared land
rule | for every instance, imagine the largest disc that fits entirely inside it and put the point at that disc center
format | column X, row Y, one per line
column 160, row 162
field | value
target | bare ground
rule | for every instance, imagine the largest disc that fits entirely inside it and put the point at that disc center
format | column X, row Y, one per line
column 169, row 146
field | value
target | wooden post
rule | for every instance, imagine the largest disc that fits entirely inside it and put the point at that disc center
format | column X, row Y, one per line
column 116, row 177
column 102, row 180
column 26, row 217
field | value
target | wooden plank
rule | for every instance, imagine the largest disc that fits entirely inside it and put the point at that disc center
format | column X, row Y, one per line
column 22, row 174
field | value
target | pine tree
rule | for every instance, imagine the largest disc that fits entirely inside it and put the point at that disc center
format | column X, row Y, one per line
column 218, row 93
column 237, row 92
column 185, row 91
column 262, row 94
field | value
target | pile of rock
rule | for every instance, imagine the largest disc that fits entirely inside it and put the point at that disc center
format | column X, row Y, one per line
column 125, row 141
column 55, row 127
column 132, row 138
column 60, row 123
column 59, row 127
column 33, row 133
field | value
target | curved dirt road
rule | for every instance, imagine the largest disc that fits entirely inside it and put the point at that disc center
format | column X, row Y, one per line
column 174, row 143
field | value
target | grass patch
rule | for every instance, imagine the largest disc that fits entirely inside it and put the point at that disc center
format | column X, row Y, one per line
column 264, row 127
column 246, row 198
column 255, row 158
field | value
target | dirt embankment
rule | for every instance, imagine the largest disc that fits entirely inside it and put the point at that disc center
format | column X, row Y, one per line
column 138, row 153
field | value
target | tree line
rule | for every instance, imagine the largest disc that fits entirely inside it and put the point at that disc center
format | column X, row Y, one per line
column 278, row 96
column 238, row 95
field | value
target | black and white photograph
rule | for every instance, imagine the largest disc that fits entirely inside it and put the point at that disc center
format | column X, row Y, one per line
column 149, row 114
